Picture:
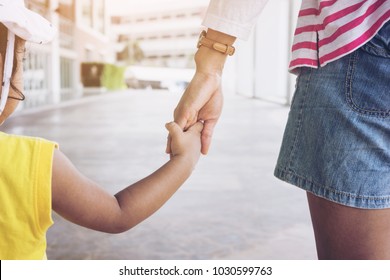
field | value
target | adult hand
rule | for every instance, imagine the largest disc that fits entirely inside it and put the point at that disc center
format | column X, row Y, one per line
column 203, row 100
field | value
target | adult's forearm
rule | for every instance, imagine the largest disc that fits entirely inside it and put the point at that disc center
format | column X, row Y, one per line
column 210, row 61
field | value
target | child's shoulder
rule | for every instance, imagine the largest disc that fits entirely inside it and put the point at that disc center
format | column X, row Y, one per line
column 12, row 140
column 18, row 151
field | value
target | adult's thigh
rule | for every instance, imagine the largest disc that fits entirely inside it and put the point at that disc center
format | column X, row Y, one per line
column 343, row 232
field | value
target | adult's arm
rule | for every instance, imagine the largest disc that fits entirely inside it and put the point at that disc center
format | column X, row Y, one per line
column 202, row 100
column 233, row 17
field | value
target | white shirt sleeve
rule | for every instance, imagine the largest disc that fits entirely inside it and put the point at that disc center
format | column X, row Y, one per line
column 233, row 17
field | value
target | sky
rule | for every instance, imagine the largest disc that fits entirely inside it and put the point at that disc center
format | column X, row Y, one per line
column 128, row 7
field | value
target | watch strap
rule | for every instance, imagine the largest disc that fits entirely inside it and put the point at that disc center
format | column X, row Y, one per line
column 217, row 46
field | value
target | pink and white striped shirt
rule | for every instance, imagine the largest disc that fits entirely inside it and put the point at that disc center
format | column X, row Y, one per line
column 326, row 29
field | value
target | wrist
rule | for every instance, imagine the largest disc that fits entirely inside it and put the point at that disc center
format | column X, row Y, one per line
column 205, row 41
column 186, row 162
column 208, row 59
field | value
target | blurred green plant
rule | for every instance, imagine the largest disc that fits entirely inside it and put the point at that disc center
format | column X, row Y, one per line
column 113, row 77
column 96, row 74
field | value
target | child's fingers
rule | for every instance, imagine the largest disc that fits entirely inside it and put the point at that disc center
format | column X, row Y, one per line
column 173, row 129
column 197, row 127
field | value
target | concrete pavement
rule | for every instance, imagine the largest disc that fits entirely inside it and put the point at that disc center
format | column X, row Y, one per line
column 231, row 208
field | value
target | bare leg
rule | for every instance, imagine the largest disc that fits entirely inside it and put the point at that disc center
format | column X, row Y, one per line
column 349, row 233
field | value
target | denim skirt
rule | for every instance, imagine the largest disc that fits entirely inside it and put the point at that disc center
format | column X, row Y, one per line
column 337, row 139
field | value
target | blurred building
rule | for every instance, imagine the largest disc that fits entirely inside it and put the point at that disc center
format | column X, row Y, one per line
column 162, row 35
column 153, row 33
column 52, row 72
column 259, row 67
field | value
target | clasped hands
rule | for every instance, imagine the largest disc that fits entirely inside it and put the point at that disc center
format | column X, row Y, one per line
column 201, row 102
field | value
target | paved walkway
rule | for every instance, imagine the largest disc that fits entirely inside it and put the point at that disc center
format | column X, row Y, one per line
column 231, row 208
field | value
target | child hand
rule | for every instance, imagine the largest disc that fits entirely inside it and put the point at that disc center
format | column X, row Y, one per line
column 185, row 144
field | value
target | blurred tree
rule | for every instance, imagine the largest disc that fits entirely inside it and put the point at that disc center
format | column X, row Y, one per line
column 131, row 54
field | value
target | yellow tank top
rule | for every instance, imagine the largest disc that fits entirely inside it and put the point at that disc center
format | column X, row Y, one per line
column 25, row 196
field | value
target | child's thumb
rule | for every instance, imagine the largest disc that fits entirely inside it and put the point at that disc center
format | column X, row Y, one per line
column 173, row 128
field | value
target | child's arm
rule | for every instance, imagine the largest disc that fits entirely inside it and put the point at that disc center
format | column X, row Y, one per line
column 83, row 202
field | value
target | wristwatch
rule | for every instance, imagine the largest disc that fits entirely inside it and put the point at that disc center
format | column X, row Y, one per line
column 214, row 45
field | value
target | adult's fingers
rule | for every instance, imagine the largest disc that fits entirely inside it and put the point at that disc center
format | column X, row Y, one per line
column 207, row 134
column 185, row 118
column 168, row 148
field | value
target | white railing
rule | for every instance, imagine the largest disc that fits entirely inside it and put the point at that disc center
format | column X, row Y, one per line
column 35, row 79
